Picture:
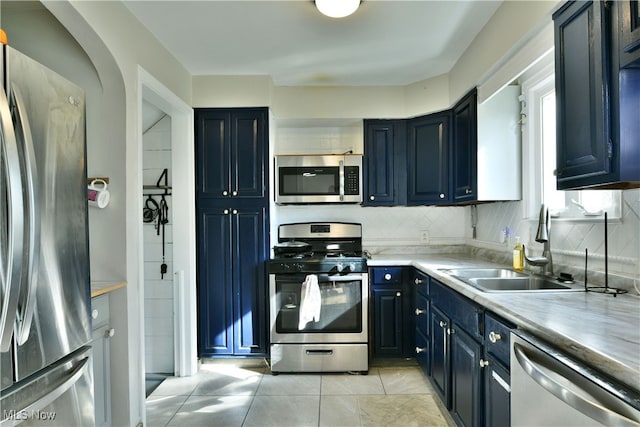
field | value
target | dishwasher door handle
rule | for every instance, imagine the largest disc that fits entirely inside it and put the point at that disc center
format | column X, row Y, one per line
column 568, row 395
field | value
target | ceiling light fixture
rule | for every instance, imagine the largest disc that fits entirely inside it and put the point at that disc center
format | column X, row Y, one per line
column 337, row 8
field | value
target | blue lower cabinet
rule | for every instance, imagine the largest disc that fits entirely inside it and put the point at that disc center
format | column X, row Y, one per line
column 423, row 352
column 232, row 281
column 440, row 369
column 466, row 378
column 456, row 329
column 392, row 323
column 497, row 394
column 421, row 313
column 387, row 321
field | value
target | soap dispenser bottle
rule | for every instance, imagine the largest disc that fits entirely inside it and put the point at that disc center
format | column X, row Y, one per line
column 518, row 255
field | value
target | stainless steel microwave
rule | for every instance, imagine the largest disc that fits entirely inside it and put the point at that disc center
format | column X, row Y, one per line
column 318, row 179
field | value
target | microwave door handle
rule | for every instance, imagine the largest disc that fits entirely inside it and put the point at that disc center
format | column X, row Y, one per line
column 23, row 133
column 11, row 265
column 341, row 180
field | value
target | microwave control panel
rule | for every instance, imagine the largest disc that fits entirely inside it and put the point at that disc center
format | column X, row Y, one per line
column 351, row 180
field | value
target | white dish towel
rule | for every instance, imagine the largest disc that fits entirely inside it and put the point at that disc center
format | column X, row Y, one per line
column 310, row 301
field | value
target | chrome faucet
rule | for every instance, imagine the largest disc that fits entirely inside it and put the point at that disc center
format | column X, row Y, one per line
column 542, row 236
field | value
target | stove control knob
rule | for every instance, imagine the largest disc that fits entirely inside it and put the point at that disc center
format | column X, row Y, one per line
column 340, row 267
column 352, row 266
column 298, row 266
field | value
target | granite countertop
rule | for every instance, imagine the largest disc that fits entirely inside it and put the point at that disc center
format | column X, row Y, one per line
column 100, row 288
column 597, row 329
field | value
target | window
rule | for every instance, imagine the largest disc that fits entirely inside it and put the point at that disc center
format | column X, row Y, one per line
column 539, row 164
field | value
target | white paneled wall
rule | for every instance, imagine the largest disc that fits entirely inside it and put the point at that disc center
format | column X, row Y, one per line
column 158, row 291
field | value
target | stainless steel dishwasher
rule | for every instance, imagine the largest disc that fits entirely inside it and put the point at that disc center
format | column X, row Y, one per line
column 548, row 388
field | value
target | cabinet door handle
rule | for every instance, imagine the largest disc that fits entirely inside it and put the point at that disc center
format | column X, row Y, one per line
column 468, row 191
column 94, row 313
column 421, row 350
column 387, row 276
column 443, row 324
column 420, row 311
column 484, row 363
column 109, row 333
column 372, row 197
column 226, row 211
column 442, row 195
column 235, row 212
column 234, row 193
column 494, row 337
column 450, row 331
column 418, row 281
column 225, row 193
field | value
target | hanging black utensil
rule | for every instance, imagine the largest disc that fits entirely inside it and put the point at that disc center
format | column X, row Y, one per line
column 150, row 210
column 163, row 219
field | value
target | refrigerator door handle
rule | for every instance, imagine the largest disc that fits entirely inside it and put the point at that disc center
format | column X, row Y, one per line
column 30, row 274
column 12, row 266
column 54, row 394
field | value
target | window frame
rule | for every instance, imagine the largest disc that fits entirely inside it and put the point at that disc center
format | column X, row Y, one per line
column 534, row 87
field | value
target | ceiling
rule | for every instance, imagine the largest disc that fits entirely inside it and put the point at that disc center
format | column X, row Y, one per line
column 384, row 43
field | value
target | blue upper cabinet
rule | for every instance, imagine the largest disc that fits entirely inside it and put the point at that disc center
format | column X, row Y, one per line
column 407, row 161
column 597, row 101
column 384, row 154
column 629, row 22
column 428, row 160
column 465, row 148
column 584, row 143
column 231, row 144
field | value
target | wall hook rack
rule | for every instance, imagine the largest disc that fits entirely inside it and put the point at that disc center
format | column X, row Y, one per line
column 161, row 188
column 158, row 212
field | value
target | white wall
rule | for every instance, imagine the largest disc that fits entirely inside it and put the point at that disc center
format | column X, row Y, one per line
column 158, row 289
column 514, row 23
column 53, row 46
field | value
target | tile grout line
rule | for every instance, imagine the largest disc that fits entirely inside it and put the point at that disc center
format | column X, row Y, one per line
column 253, row 398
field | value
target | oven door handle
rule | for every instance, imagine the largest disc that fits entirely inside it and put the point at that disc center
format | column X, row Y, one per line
column 324, row 278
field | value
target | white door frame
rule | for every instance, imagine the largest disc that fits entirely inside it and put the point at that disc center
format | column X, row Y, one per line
column 183, row 196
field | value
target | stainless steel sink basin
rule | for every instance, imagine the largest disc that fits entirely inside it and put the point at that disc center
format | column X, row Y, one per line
column 521, row 284
column 505, row 280
column 468, row 273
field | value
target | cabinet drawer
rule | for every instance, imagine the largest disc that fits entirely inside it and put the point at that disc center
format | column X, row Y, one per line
column 99, row 311
column 421, row 283
column 387, row 275
column 462, row 311
column 422, row 351
column 496, row 337
column 421, row 313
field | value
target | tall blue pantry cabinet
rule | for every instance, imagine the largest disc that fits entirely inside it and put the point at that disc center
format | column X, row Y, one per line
column 232, row 204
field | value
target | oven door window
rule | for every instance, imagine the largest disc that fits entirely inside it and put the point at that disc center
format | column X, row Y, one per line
column 312, row 181
column 340, row 307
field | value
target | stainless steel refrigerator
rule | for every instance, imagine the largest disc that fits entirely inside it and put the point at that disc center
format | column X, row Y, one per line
column 45, row 328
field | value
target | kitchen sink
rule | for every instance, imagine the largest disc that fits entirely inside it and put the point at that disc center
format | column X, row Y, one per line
column 505, row 280
column 498, row 273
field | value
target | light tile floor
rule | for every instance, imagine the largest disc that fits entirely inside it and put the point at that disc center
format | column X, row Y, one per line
column 228, row 395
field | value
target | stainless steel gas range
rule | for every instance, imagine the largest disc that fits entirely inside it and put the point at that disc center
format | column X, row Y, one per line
column 318, row 293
